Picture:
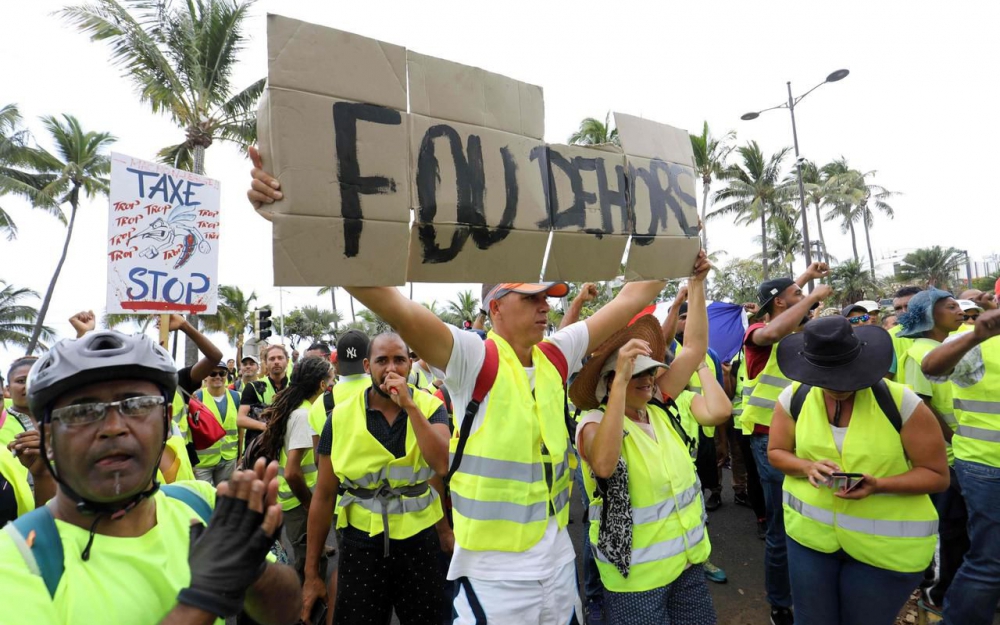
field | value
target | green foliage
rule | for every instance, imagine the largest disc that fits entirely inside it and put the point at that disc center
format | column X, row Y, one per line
column 310, row 324
column 784, row 243
column 985, row 283
column 16, row 178
column 851, row 282
column 181, row 57
column 710, row 154
column 17, row 319
column 234, row 314
column 594, row 132
column 463, row 308
column 932, row 266
column 737, row 281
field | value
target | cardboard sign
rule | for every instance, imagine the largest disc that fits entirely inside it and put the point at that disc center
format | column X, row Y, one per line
column 362, row 134
column 163, row 239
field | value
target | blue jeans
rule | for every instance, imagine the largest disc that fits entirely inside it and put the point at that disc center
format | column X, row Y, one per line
column 593, row 589
column 975, row 591
column 836, row 589
column 779, row 591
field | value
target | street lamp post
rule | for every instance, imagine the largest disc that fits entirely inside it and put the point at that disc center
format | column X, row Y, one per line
column 840, row 74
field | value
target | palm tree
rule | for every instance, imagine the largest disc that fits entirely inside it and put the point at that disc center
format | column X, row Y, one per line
column 233, row 316
column 141, row 321
column 840, row 196
column 14, row 179
column 332, row 290
column 754, row 191
column 372, row 323
column 851, row 283
column 784, row 243
column 594, row 132
column 871, row 196
column 79, row 164
column 932, row 266
column 181, row 56
column 17, row 320
column 710, row 156
column 814, row 182
column 465, row 306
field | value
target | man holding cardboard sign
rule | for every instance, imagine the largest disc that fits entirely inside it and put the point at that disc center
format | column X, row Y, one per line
column 513, row 557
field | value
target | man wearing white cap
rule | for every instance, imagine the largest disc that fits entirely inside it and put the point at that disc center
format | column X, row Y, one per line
column 971, row 311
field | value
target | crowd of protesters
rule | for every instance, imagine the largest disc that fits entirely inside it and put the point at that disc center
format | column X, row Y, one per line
column 428, row 471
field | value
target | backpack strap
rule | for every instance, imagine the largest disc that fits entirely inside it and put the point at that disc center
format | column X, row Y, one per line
column 190, row 498
column 883, row 397
column 445, row 397
column 799, row 398
column 484, row 382
column 557, row 358
column 328, row 403
column 37, row 538
column 673, row 413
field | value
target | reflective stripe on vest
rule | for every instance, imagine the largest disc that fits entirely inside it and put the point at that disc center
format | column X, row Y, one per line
column 668, row 531
column 759, row 403
column 307, row 466
column 977, row 438
column 893, row 532
column 226, row 447
column 497, row 510
column 385, row 495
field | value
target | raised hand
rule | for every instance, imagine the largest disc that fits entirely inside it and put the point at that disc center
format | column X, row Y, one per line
column 987, row 325
column 626, row 359
column 588, row 292
column 264, row 188
column 83, row 322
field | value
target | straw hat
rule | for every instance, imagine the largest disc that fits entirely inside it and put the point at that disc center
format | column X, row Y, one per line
column 583, row 391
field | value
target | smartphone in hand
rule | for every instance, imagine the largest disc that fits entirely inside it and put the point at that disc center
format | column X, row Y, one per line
column 845, row 481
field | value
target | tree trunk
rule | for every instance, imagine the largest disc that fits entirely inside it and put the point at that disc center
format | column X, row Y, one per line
column 239, row 349
column 351, row 299
column 190, row 349
column 763, row 242
column 868, row 242
column 822, row 239
column 704, row 211
column 74, row 199
column 854, row 242
column 333, row 301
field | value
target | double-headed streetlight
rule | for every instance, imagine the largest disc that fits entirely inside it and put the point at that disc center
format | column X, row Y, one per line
column 840, row 74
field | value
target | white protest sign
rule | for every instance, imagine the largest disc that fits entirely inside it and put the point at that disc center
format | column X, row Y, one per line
column 163, row 239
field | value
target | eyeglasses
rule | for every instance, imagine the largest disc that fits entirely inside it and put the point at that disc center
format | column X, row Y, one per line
column 971, row 317
column 84, row 414
column 217, row 374
column 859, row 319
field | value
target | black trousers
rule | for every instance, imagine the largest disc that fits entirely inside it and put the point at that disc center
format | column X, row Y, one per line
column 754, row 490
column 705, row 463
column 410, row 580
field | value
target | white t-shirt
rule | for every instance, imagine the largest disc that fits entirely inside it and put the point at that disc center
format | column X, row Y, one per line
column 596, row 416
column 555, row 549
column 909, row 404
column 298, row 432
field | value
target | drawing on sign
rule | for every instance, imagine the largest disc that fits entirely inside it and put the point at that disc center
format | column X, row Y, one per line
column 363, row 134
column 163, row 231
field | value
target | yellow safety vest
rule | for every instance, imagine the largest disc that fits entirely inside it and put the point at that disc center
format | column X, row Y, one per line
column 181, row 469
column 760, row 394
column 895, row 532
column 694, row 385
column 179, row 411
column 17, row 479
column 899, row 345
column 362, row 463
column 668, row 533
column 741, row 379
column 941, row 399
column 343, row 391
column 286, row 497
column 11, row 428
column 225, row 448
column 977, row 409
column 500, row 496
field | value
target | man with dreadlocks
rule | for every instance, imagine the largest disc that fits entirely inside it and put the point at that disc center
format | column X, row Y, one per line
column 113, row 546
column 289, row 439
column 382, row 447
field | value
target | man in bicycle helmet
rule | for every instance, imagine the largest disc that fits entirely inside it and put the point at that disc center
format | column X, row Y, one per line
column 135, row 552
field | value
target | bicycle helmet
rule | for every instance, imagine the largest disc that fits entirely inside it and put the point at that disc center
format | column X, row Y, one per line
column 97, row 357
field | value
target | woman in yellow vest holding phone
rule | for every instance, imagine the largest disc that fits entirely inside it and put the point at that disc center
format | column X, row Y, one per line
column 860, row 456
column 646, row 506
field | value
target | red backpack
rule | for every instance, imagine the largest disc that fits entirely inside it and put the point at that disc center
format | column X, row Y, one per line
column 484, row 382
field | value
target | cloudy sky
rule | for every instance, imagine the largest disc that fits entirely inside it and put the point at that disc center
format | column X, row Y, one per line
column 919, row 107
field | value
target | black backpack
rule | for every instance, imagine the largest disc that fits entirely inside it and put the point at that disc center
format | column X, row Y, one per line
column 883, row 397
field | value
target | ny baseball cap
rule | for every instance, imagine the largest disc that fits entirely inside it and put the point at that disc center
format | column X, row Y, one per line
column 769, row 290
column 496, row 291
column 352, row 349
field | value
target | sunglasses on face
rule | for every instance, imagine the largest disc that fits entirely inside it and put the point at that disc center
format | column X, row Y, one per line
column 84, row 414
column 217, row 374
column 971, row 317
column 859, row 319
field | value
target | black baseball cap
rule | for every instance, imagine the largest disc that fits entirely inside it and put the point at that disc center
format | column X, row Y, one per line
column 769, row 290
column 352, row 349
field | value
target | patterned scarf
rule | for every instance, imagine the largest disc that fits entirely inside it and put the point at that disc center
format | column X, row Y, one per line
column 614, row 537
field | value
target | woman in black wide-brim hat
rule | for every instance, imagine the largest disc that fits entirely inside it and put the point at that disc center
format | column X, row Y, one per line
column 860, row 455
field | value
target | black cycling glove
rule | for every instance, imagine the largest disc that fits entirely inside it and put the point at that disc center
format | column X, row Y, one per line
column 226, row 558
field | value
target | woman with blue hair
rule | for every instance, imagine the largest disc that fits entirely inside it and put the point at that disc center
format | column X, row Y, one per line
column 932, row 316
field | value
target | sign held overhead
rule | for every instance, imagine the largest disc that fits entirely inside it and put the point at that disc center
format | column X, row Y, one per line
column 364, row 134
